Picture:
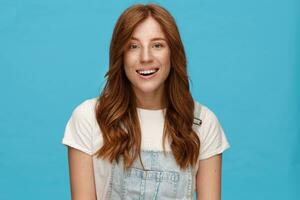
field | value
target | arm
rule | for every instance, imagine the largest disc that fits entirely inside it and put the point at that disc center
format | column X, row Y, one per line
column 81, row 175
column 208, row 178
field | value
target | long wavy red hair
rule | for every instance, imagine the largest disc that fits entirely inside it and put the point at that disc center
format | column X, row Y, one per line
column 116, row 107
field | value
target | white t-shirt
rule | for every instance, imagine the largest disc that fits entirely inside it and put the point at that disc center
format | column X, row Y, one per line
column 83, row 133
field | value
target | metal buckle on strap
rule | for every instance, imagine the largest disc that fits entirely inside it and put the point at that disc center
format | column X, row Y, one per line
column 197, row 121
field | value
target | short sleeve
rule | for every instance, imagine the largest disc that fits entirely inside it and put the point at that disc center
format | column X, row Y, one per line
column 78, row 131
column 212, row 137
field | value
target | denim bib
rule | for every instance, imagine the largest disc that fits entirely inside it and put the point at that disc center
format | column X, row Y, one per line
column 161, row 179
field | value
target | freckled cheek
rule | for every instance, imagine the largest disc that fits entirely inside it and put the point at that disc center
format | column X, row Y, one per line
column 164, row 58
column 130, row 60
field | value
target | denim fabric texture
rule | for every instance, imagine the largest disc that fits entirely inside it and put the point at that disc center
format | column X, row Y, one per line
column 161, row 178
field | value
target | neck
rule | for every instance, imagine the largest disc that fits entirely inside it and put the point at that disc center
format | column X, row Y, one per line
column 152, row 101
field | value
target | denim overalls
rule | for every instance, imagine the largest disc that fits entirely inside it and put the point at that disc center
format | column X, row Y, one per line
column 161, row 179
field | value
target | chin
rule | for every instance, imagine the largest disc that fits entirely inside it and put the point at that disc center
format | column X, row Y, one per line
column 147, row 89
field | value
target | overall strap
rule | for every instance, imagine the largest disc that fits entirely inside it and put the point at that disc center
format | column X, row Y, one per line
column 197, row 112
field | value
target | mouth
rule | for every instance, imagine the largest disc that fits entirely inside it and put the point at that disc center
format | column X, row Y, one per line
column 147, row 72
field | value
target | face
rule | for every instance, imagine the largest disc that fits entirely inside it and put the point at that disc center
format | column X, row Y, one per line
column 147, row 59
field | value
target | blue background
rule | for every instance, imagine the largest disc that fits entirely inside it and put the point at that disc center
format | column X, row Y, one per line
column 243, row 61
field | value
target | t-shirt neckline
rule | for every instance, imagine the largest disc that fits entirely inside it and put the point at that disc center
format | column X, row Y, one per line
column 150, row 110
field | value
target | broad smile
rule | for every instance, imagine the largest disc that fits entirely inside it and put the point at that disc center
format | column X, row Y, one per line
column 147, row 73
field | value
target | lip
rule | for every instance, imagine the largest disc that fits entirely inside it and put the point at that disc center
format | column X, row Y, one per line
column 150, row 76
column 145, row 68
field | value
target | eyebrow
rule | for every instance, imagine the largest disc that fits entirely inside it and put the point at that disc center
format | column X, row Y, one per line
column 152, row 39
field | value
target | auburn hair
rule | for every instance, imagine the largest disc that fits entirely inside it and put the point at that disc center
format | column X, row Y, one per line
column 116, row 111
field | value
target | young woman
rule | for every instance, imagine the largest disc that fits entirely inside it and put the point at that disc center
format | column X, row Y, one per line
column 145, row 137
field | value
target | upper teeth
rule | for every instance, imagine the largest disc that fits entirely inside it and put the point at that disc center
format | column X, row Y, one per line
column 146, row 71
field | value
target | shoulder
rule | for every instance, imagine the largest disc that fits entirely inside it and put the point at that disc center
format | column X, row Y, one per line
column 80, row 129
column 205, row 114
column 211, row 134
column 85, row 108
column 83, row 117
column 206, row 123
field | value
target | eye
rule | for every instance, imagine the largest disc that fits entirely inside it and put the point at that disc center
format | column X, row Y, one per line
column 133, row 46
column 157, row 45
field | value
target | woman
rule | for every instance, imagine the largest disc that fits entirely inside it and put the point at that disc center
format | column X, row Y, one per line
column 145, row 137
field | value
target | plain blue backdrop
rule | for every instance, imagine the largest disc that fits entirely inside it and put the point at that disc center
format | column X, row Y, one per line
column 243, row 61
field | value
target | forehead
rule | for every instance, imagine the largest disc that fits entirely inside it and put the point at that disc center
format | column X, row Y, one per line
column 148, row 29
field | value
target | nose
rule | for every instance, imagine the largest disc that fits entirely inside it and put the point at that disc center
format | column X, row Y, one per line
column 146, row 55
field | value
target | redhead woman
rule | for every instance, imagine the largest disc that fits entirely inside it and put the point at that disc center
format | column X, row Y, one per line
column 145, row 137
